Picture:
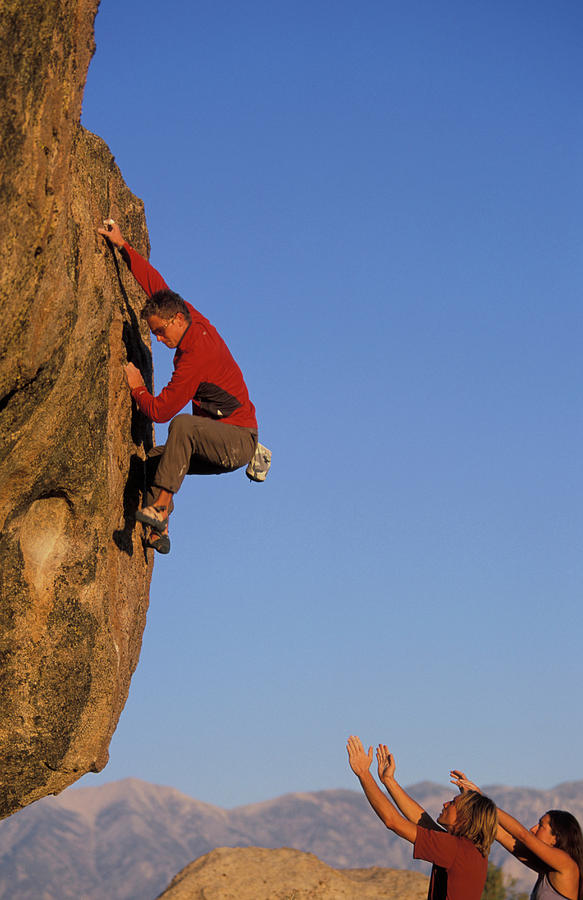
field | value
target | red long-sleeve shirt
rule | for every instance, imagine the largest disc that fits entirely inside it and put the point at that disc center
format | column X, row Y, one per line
column 459, row 869
column 205, row 373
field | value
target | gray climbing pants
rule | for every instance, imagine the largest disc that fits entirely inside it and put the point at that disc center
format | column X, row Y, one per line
column 197, row 446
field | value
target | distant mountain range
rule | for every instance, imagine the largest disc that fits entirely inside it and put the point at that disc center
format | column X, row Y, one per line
column 126, row 840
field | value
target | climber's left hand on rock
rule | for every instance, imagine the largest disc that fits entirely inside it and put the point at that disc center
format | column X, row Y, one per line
column 134, row 376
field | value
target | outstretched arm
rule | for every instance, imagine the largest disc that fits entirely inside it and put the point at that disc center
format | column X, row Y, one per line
column 550, row 857
column 146, row 275
column 409, row 807
column 360, row 763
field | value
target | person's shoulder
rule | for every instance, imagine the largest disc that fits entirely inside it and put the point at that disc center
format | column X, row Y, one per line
column 197, row 343
column 432, row 831
column 432, row 835
column 195, row 314
column 467, row 850
column 469, row 845
column 435, row 846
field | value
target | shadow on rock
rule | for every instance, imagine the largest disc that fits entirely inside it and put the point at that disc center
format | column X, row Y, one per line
column 133, row 494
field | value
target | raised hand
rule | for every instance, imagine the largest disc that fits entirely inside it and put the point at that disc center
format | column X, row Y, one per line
column 360, row 761
column 112, row 232
column 463, row 782
column 386, row 763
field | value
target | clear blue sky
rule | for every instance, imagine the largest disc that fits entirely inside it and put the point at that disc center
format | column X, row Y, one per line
column 379, row 206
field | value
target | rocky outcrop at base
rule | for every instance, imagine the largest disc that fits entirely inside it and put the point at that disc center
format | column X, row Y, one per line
column 74, row 578
column 254, row 873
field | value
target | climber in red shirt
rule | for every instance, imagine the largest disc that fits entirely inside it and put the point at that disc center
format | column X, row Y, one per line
column 220, row 435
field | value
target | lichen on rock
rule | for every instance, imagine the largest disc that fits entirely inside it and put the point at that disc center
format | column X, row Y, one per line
column 74, row 576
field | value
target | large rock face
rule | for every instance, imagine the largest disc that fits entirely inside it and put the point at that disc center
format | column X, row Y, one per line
column 73, row 577
column 254, row 873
